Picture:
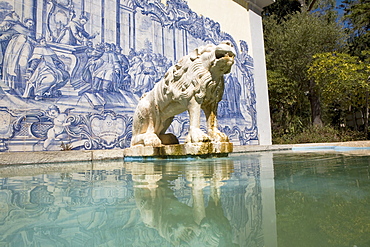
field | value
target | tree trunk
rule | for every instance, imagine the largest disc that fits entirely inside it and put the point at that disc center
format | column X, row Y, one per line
column 355, row 126
column 315, row 105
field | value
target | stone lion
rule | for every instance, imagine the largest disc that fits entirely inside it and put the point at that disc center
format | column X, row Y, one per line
column 196, row 82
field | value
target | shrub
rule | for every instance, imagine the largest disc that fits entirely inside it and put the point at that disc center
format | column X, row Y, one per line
column 315, row 134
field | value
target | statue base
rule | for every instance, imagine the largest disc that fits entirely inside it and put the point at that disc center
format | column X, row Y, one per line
column 202, row 150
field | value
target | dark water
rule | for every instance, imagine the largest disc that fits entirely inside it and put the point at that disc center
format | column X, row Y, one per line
column 322, row 199
column 307, row 199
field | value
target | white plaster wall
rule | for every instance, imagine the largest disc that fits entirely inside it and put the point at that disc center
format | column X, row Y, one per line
column 243, row 24
column 234, row 19
column 257, row 51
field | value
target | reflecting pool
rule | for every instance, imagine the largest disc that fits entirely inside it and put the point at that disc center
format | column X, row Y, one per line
column 323, row 199
column 258, row 199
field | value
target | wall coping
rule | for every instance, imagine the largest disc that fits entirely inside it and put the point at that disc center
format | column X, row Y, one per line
column 254, row 5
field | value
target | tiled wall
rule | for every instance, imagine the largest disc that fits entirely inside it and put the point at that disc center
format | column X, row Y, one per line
column 72, row 71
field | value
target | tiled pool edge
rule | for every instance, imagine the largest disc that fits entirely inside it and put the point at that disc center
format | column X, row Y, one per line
column 42, row 157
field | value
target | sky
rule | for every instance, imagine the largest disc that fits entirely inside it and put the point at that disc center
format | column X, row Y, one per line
column 339, row 10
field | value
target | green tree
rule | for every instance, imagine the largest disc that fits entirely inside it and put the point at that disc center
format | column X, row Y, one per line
column 283, row 94
column 281, row 9
column 357, row 19
column 290, row 46
column 343, row 81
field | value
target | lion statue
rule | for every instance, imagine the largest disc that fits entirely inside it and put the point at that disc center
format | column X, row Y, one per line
column 196, row 82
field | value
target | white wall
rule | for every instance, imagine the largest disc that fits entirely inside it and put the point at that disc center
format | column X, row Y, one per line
column 246, row 25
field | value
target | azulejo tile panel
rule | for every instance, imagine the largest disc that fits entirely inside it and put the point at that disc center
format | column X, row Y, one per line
column 72, row 71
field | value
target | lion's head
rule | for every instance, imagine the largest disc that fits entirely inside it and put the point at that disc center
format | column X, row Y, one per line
column 212, row 56
column 202, row 66
column 224, row 54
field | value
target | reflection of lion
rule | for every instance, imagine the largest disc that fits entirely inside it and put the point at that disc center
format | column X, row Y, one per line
column 195, row 82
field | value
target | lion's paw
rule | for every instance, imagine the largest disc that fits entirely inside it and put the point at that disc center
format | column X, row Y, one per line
column 197, row 135
column 152, row 140
column 218, row 136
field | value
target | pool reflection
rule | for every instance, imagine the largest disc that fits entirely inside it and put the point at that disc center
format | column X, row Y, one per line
column 211, row 202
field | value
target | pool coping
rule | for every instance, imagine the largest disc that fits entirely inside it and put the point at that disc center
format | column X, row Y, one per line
column 42, row 157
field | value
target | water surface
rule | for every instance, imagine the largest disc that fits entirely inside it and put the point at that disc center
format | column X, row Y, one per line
column 258, row 199
column 322, row 199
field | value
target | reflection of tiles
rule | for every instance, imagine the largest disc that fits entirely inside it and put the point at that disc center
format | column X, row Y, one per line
column 79, row 203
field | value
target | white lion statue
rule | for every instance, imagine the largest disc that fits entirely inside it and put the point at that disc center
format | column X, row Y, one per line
column 196, row 82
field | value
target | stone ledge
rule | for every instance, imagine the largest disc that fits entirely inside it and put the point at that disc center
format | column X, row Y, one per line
column 205, row 149
column 44, row 157
column 260, row 148
column 48, row 157
column 107, row 154
column 21, row 158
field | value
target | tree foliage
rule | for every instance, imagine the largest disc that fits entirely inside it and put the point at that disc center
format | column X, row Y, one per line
column 357, row 20
column 281, row 9
column 342, row 79
column 285, row 106
column 290, row 46
column 317, row 63
column 344, row 85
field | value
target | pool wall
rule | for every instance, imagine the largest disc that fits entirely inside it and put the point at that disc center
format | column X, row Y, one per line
column 72, row 71
column 54, row 157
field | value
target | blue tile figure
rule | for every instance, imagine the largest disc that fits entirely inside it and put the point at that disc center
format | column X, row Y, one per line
column 74, row 32
column 20, row 41
column 99, row 59
column 60, row 122
column 45, row 73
